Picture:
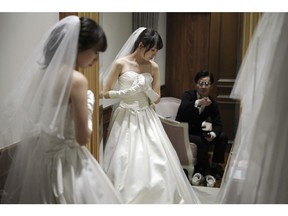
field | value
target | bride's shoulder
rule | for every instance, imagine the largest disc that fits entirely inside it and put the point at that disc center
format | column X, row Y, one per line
column 78, row 75
column 78, row 78
column 154, row 64
column 154, row 67
column 121, row 61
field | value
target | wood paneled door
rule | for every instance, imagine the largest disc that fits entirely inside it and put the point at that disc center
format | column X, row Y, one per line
column 211, row 41
column 187, row 50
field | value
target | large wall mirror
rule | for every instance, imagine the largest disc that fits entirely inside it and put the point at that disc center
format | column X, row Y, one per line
column 21, row 31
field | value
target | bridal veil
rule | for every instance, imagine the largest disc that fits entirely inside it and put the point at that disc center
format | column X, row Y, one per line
column 257, row 170
column 38, row 96
column 36, row 100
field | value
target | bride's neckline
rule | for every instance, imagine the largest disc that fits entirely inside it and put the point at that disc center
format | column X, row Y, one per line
column 134, row 72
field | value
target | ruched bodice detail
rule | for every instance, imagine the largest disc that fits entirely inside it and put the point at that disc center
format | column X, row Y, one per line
column 139, row 100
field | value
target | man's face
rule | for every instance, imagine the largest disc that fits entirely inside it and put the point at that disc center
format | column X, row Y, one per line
column 203, row 86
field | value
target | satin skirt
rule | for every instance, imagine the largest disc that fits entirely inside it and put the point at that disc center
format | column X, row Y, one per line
column 141, row 161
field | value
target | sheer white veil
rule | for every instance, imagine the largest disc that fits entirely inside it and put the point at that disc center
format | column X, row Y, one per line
column 257, row 170
column 38, row 96
column 36, row 102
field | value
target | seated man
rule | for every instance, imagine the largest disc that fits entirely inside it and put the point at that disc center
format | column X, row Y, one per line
column 195, row 108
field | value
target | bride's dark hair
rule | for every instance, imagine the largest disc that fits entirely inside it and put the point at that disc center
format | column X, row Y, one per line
column 150, row 38
column 91, row 35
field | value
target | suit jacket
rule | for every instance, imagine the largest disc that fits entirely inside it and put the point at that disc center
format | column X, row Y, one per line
column 187, row 112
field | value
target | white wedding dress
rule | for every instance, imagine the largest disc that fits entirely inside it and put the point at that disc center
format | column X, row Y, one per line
column 139, row 157
column 58, row 171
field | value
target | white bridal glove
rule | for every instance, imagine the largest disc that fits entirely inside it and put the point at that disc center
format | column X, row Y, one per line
column 152, row 95
column 136, row 87
column 90, row 103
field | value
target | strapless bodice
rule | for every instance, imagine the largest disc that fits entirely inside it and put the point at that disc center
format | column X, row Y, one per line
column 139, row 100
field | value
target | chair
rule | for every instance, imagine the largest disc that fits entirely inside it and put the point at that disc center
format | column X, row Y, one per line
column 168, row 107
column 178, row 135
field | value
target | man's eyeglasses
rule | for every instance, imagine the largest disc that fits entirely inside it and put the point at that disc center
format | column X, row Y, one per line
column 204, row 84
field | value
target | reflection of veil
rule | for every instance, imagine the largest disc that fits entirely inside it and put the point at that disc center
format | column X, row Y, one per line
column 257, row 170
column 37, row 99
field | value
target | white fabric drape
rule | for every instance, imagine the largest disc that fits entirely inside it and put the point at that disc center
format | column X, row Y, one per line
column 257, row 170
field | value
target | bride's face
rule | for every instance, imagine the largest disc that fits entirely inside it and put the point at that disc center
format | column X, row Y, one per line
column 150, row 54
column 87, row 58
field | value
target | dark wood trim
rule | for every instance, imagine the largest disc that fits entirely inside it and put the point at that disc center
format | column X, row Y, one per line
column 65, row 14
column 163, row 91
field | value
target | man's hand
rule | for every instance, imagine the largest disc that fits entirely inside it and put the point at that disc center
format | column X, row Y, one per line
column 204, row 101
column 209, row 136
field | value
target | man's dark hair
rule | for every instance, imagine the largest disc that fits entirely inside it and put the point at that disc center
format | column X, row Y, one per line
column 203, row 73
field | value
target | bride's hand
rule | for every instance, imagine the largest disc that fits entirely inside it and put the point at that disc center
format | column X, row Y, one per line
column 142, row 82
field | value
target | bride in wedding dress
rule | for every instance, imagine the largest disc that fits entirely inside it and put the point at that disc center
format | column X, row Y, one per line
column 139, row 157
column 47, row 118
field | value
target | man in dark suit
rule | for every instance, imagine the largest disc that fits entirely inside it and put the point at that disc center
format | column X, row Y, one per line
column 195, row 108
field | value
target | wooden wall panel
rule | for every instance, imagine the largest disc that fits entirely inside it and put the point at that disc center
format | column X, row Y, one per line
column 225, row 60
column 64, row 14
column 187, row 50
